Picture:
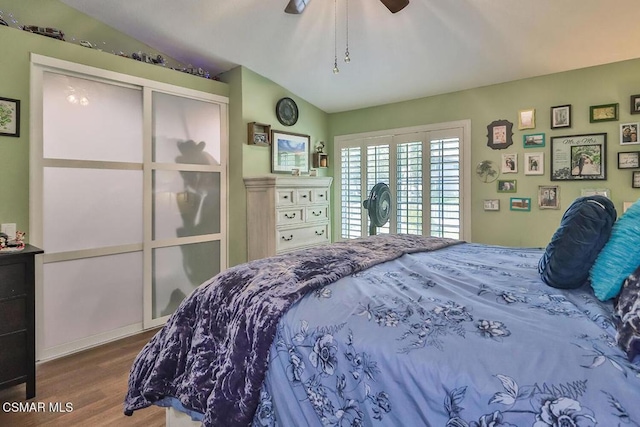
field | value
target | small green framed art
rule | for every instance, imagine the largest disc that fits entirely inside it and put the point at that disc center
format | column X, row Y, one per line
column 603, row 113
column 507, row 186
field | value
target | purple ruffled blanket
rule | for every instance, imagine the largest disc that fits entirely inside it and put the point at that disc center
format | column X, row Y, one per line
column 212, row 353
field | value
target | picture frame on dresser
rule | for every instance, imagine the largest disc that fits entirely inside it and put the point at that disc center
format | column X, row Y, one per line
column 289, row 151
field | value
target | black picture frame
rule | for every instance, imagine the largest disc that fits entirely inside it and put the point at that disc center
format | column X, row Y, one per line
column 603, row 113
column 635, row 104
column 9, row 117
column 579, row 157
column 561, row 116
column 635, row 179
column 500, row 134
column 629, row 160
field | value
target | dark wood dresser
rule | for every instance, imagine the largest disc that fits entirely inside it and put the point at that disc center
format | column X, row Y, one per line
column 17, row 319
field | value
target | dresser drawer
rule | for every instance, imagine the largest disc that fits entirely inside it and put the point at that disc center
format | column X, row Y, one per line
column 319, row 195
column 299, row 237
column 13, row 315
column 317, row 213
column 284, row 197
column 304, row 196
column 290, row 216
column 13, row 279
column 13, row 357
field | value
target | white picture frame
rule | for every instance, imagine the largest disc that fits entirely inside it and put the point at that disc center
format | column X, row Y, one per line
column 492, row 205
column 596, row 192
column 534, row 163
column 509, row 163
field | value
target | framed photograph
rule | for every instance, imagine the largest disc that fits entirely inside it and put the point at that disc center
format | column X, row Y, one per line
column 289, row 151
column 549, row 197
column 579, row 157
column 629, row 160
column 635, row 104
column 635, row 182
column 492, row 205
column 9, row 117
column 507, row 186
column 561, row 116
column 520, row 204
column 500, row 134
column 534, row 163
column 603, row 113
column 596, row 192
column 533, row 140
column 527, row 119
column 510, row 163
column 629, row 134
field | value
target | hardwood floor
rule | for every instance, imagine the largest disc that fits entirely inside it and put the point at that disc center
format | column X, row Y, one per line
column 94, row 382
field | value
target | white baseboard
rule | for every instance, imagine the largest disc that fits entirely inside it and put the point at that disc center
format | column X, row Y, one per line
column 46, row 354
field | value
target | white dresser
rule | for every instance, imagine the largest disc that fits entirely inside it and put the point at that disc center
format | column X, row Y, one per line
column 286, row 213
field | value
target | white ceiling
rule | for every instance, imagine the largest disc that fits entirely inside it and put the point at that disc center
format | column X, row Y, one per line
column 431, row 47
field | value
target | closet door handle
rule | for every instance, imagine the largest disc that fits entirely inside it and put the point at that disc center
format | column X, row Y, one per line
column 289, row 239
column 293, row 215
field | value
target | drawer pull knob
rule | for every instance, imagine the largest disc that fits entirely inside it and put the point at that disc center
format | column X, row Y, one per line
column 319, row 233
column 320, row 195
column 316, row 213
column 293, row 215
column 285, row 197
column 288, row 239
column 304, row 196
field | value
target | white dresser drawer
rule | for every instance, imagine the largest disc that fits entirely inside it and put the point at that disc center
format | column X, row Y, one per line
column 317, row 213
column 284, row 197
column 320, row 195
column 290, row 216
column 298, row 237
column 303, row 196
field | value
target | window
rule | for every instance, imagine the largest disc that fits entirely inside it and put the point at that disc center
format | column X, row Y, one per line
column 425, row 170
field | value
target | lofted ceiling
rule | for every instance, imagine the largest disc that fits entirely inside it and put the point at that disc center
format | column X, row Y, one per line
column 430, row 47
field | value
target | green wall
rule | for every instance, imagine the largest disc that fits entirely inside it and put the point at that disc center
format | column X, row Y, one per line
column 612, row 83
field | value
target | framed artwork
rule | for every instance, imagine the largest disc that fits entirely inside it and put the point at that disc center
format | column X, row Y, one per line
column 629, row 160
column 500, row 133
column 596, row 192
column 603, row 113
column 534, row 163
column 635, row 104
column 527, row 119
column 9, row 117
column 629, row 134
column 492, row 205
column 520, row 204
column 579, row 157
column 289, row 151
column 533, row 140
column 561, row 116
column 509, row 163
column 635, row 183
column 549, row 197
column 507, row 186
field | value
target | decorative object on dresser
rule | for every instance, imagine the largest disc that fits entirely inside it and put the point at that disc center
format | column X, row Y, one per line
column 17, row 319
column 258, row 134
column 320, row 159
column 286, row 213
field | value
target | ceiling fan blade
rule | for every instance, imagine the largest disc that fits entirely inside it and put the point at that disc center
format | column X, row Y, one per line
column 394, row 5
column 296, row 6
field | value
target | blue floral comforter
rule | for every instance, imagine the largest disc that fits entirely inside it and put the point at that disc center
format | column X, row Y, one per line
column 210, row 358
column 467, row 335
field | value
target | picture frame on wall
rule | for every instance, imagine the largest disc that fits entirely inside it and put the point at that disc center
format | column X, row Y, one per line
column 596, row 192
column 629, row 160
column 579, row 157
column 533, row 140
column 499, row 134
column 561, row 116
column 635, row 179
column 289, row 151
column 527, row 119
column 520, row 204
column 9, row 117
column 492, row 205
column 509, row 163
column 629, row 134
column 635, row 104
column 534, row 163
column 549, row 197
column 507, row 186
column 603, row 113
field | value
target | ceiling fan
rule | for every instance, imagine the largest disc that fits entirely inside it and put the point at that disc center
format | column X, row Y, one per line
column 297, row 6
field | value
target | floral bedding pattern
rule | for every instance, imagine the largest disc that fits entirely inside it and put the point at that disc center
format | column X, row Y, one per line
column 211, row 356
column 466, row 336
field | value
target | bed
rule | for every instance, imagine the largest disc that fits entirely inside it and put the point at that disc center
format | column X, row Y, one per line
column 391, row 330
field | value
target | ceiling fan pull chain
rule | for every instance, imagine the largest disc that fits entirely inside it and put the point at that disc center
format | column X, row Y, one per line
column 347, row 58
column 336, row 70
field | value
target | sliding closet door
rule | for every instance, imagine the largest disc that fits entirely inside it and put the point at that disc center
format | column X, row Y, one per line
column 92, row 211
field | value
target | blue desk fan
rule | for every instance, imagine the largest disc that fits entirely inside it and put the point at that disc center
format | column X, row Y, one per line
column 378, row 205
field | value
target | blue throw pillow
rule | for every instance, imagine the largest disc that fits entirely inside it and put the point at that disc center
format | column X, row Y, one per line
column 619, row 257
column 584, row 229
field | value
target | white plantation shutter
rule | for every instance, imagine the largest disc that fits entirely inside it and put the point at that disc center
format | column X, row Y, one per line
column 424, row 170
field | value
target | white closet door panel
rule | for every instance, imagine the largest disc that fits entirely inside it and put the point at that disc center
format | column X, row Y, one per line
column 178, row 270
column 91, row 208
column 185, row 204
column 90, row 296
column 185, row 130
column 89, row 120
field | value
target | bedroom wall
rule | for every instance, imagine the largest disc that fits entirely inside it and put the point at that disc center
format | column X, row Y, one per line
column 14, row 83
column 612, row 83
